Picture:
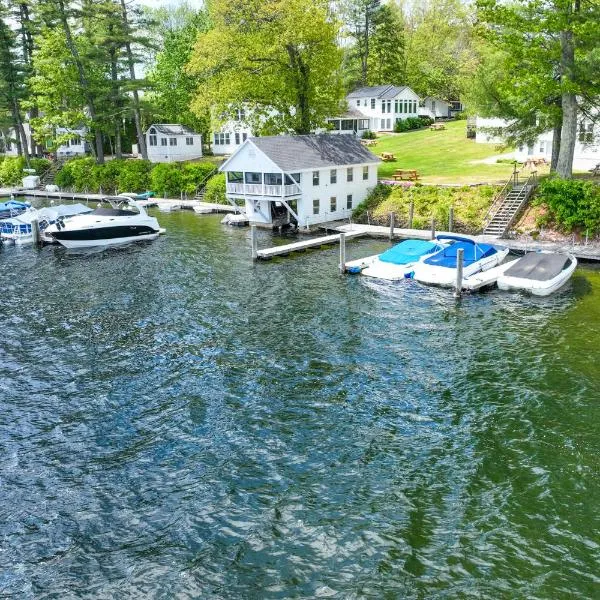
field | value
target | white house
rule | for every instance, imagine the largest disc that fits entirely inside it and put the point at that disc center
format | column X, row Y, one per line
column 488, row 130
column 382, row 105
column 231, row 134
column 306, row 179
column 434, row 108
column 75, row 146
column 587, row 147
column 168, row 142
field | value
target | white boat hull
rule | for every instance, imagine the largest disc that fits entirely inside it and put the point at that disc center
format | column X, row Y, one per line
column 107, row 242
column 371, row 266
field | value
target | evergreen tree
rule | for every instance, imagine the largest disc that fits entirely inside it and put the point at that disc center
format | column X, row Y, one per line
column 386, row 56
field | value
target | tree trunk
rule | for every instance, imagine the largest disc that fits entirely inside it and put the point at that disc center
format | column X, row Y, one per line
column 301, row 76
column 22, row 142
column 555, row 146
column 114, row 75
column 83, row 82
column 365, row 57
column 136, row 99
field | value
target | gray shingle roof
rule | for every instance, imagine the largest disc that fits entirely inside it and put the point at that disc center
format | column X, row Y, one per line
column 299, row 152
column 173, row 129
column 377, row 91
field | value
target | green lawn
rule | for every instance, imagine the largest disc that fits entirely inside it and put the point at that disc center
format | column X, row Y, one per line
column 441, row 156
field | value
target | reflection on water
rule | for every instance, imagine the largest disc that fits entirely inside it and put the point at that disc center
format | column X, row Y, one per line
column 176, row 421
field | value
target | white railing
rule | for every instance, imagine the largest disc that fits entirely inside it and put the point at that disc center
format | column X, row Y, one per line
column 257, row 189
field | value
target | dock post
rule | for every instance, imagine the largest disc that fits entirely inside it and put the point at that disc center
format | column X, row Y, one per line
column 35, row 233
column 432, row 228
column 254, row 242
column 342, row 253
column 459, row 273
column 411, row 213
column 392, row 223
column 451, row 219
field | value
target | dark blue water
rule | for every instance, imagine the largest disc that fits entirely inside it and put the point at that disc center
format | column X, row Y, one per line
column 176, row 422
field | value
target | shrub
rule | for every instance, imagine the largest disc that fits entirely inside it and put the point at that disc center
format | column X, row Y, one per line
column 41, row 165
column 572, row 203
column 134, row 176
column 369, row 135
column 215, row 190
column 11, row 170
column 408, row 124
column 426, row 121
column 82, row 172
column 376, row 196
column 195, row 174
column 106, row 177
column 166, row 180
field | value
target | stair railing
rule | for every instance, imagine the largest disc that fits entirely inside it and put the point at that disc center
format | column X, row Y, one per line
column 524, row 194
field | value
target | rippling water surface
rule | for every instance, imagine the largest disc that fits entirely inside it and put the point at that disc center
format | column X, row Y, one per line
column 178, row 422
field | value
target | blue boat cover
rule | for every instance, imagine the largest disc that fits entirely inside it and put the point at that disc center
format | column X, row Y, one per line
column 14, row 205
column 408, row 251
column 472, row 253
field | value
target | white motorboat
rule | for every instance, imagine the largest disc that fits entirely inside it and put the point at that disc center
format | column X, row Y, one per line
column 125, row 221
column 396, row 263
column 18, row 230
column 539, row 273
column 440, row 268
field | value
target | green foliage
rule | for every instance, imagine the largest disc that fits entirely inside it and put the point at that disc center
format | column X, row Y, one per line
column 408, row 124
column 284, row 59
column 194, row 175
column 470, row 205
column 215, row 190
column 41, row 165
column 376, row 196
column 106, row 177
column 166, row 179
column 426, row 121
column 369, row 135
column 11, row 170
column 571, row 203
column 134, row 176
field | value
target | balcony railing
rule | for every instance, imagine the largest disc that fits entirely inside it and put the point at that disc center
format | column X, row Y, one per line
column 259, row 189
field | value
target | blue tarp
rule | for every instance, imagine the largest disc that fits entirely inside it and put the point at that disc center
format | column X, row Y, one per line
column 472, row 253
column 408, row 251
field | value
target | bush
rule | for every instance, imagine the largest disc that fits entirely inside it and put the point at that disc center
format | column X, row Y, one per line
column 426, row 121
column 134, row 176
column 82, row 172
column 195, row 174
column 166, row 180
column 215, row 190
column 41, row 165
column 572, row 203
column 408, row 124
column 11, row 170
column 106, row 177
column 369, row 135
column 376, row 196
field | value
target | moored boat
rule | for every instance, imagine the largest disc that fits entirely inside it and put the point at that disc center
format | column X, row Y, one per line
column 396, row 263
column 440, row 268
column 539, row 273
column 12, row 208
column 125, row 221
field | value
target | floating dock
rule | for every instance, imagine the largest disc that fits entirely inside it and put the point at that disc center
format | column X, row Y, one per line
column 286, row 249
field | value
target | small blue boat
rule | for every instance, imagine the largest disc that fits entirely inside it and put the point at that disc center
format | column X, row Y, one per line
column 395, row 263
column 12, row 208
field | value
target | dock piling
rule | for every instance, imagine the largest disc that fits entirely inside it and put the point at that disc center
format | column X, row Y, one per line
column 254, row 242
column 432, row 228
column 342, row 253
column 459, row 273
column 35, row 233
column 451, row 219
column 392, row 223
column 411, row 213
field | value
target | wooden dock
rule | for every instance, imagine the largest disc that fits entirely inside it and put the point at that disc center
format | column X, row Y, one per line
column 286, row 249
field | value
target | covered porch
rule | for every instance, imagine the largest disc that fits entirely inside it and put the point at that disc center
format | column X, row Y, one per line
column 269, row 185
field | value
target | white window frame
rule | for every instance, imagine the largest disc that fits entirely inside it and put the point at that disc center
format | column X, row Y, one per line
column 316, row 206
column 349, row 202
column 349, row 174
column 333, row 176
column 365, row 173
column 333, row 204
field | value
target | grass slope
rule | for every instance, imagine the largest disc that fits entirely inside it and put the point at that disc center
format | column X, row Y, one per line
column 441, row 156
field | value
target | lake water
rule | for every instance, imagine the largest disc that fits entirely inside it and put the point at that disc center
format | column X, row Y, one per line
column 178, row 422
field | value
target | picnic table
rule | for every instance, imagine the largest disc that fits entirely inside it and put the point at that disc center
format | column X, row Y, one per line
column 437, row 126
column 595, row 171
column 410, row 174
column 535, row 162
column 387, row 157
column 368, row 142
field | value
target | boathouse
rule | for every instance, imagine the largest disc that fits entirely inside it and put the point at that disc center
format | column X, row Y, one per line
column 303, row 179
column 169, row 142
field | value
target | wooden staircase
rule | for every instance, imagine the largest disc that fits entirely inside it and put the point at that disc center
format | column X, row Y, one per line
column 48, row 177
column 508, row 204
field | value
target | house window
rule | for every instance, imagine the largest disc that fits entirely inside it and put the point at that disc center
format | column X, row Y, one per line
column 542, row 147
column 273, row 178
column 405, row 106
column 372, row 102
column 350, row 174
column 163, row 141
column 189, row 141
column 333, row 176
column 221, row 139
column 383, row 106
column 244, row 137
column 315, row 177
column 316, row 206
column 153, row 140
column 586, row 133
column 241, row 114
column 172, row 141
column 358, row 102
column 365, row 173
column 333, row 203
column 237, row 139
column 253, row 177
column 349, row 201
column 292, row 179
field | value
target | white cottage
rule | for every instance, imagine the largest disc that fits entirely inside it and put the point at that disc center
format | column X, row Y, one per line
column 304, row 179
column 76, row 145
column 232, row 134
column 168, row 142
column 434, row 108
column 488, row 130
column 382, row 105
